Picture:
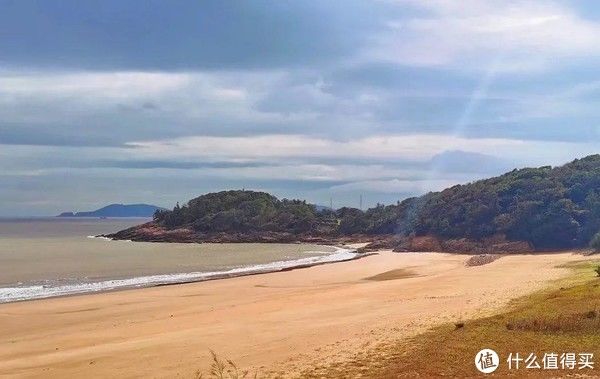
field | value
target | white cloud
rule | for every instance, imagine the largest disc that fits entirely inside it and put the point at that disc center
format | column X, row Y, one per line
column 313, row 172
column 122, row 101
column 413, row 147
column 115, row 85
column 288, row 151
column 512, row 35
column 398, row 185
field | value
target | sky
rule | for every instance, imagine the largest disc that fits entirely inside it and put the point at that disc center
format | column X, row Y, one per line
column 111, row 101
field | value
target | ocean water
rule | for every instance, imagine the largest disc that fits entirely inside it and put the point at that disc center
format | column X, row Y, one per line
column 42, row 258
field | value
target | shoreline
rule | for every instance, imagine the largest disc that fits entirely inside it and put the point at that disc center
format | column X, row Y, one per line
column 224, row 275
column 208, row 276
column 277, row 323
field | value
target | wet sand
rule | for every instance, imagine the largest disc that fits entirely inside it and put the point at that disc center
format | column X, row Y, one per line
column 275, row 323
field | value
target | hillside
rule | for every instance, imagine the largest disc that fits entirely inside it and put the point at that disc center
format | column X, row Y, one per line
column 117, row 210
column 526, row 209
column 548, row 207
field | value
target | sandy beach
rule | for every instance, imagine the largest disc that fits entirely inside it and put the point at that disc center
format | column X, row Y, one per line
column 277, row 323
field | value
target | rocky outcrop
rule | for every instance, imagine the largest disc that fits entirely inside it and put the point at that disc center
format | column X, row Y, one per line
column 153, row 232
column 495, row 245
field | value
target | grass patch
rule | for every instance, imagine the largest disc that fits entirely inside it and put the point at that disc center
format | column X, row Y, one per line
column 563, row 319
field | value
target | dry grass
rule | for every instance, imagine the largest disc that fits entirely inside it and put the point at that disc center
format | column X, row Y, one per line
column 558, row 320
column 224, row 369
column 576, row 322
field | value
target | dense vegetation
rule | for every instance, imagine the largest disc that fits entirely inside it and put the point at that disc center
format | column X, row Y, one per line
column 547, row 207
column 242, row 211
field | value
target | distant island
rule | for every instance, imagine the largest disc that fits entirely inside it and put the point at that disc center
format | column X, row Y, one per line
column 530, row 209
column 117, row 210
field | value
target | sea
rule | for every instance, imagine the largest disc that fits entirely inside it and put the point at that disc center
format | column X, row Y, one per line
column 47, row 257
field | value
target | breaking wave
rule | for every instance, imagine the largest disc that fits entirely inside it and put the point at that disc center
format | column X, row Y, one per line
column 52, row 289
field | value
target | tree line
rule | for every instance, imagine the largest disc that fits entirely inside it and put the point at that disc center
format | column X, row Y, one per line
column 547, row 207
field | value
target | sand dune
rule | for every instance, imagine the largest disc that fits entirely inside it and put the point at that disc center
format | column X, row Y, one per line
column 279, row 322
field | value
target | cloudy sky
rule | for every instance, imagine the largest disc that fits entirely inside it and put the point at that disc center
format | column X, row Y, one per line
column 107, row 101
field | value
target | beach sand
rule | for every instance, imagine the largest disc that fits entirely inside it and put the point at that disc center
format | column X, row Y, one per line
column 274, row 323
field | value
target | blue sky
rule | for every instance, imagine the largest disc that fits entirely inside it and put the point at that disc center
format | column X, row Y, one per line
column 160, row 101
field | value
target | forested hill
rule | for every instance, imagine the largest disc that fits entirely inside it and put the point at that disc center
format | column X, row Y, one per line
column 546, row 208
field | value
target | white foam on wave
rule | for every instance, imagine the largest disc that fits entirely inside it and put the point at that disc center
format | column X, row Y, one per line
column 100, row 238
column 38, row 291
